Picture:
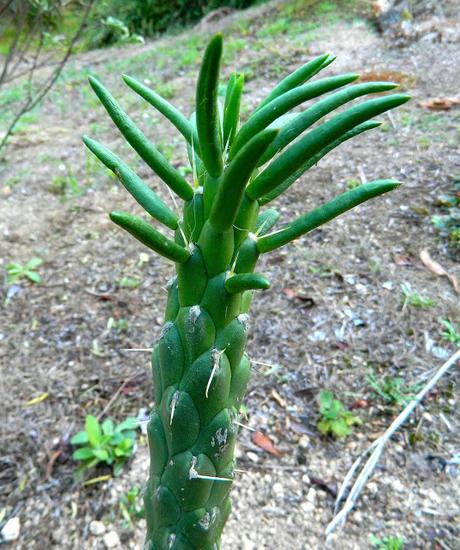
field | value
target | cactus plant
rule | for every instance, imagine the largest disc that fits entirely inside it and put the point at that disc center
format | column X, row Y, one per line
column 200, row 368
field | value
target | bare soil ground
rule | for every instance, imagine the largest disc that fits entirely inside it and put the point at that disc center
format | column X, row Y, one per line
column 334, row 315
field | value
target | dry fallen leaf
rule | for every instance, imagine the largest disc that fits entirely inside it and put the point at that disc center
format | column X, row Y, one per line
column 437, row 269
column 263, row 442
column 440, row 103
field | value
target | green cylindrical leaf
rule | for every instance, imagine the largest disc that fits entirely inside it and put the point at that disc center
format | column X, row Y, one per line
column 325, row 213
column 232, row 108
column 149, row 236
column 165, row 108
column 230, row 192
column 304, row 120
column 246, row 281
column 266, row 220
column 147, row 198
column 279, row 189
column 300, row 152
column 296, row 78
column 207, row 117
column 141, row 144
column 263, row 117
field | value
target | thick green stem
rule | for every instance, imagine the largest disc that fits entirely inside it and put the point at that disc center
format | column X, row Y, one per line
column 200, row 375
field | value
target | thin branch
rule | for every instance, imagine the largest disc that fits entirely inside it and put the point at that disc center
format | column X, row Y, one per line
column 32, row 103
column 376, row 450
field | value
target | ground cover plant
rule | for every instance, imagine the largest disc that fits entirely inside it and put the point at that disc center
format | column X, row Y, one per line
column 200, row 369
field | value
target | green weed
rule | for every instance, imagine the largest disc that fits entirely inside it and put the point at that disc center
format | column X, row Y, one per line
column 131, row 506
column 335, row 420
column 413, row 297
column 16, row 271
column 387, row 543
column 451, row 334
column 104, row 443
column 392, row 389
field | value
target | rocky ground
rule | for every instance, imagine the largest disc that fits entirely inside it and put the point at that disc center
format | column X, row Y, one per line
column 334, row 316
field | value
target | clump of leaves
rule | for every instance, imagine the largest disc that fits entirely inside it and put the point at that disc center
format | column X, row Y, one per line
column 448, row 224
column 335, row 420
column 104, row 443
column 131, row 505
column 16, row 271
column 392, row 389
column 452, row 334
column 414, row 298
column 387, row 543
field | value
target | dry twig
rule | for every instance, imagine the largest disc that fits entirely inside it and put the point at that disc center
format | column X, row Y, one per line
column 376, row 450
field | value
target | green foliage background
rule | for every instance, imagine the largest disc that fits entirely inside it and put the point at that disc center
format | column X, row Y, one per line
column 149, row 17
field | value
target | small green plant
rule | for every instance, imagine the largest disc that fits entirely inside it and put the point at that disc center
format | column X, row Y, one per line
column 452, row 334
column 335, row 419
column 131, row 506
column 413, row 297
column 129, row 282
column 392, row 389
column 448, row 224
column 65, row 185
column 104, row 444
column 387, row 543
column 16, row 271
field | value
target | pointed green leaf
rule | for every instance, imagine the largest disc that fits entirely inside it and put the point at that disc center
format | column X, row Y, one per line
column 298, row 77
column 107, row 427
column 284, row 103
column 325, row 213
column 146, row 150
column 232, row 108
column 279, row 189
column 33, row 276
column 231, row 189
column 86, row 453
column 101, row 454
column 163, row 106
column 266, row 220
column 149, row 236
column 79, row 439
column 302, row 121
column 207, row 116
column 246, row 281
column 304, row 149
column 145, row 196
column 34, row 263
column 93, row 429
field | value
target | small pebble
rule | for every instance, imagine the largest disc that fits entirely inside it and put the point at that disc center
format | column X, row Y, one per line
column 253, row 457
column 97, row 528
column 11, row 529
column 111, row 540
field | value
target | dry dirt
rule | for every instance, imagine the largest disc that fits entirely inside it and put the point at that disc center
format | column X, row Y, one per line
column 335, row 312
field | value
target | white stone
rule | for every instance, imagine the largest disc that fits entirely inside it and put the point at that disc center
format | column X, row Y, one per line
column 311, row 495
column 97, row 528
column 111, row 540
column 307, row 507
column 11, row 529
column 253, row 457
column 278, row 488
